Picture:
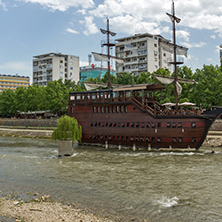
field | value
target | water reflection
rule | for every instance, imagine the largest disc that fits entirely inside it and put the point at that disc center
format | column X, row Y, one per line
column 158, row 186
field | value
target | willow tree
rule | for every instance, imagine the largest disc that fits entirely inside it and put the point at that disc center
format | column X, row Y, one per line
column 68, row 128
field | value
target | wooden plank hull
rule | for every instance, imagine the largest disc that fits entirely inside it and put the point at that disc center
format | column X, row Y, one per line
column 131, row 126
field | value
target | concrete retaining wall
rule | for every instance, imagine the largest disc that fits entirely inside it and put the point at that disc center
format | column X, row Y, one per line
column 28, row 122
column 217, row 126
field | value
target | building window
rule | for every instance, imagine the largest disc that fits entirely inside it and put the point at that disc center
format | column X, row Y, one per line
column 71, row 68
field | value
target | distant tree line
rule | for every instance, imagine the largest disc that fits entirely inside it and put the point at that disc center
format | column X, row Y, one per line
column 205, row 92
column 53, row 97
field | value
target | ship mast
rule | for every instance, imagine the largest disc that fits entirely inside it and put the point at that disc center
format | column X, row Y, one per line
column 109, row 45
column 175, row 63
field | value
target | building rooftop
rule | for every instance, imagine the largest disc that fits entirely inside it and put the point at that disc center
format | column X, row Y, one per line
column 17, row 76
column 50, row 55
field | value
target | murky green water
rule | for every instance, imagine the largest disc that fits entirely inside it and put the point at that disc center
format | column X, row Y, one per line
column 158, row 186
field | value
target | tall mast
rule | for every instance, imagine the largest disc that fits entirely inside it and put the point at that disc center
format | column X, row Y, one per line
column 108, row 44
column 175, row 63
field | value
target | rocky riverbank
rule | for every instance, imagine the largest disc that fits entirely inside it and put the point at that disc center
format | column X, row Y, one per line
column 42, row 209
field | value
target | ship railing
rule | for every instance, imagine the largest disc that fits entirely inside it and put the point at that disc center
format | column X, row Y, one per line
column 177, row 113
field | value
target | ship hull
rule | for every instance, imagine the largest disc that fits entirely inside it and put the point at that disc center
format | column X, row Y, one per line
column 133, row 127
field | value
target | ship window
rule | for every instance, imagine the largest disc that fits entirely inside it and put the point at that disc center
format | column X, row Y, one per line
column 132, row 138
column 174, row 139
column 78, row 96
column 193, row 139
column 113, row 109
column 179, row 125
column 98, row 124
column 147, row 139
column 114, row 124
column 142, row 139
column 102, row 137
column 137, row 139
column 174, row 125
column 127, row 138
column 121, row 109
column 153, row 139
column 95, row 124
column 123, row 138
column 105, row 137
column 93, row 96
column 132, row 124
column 158, row 140
column 108, row 96
column 125, row 109
column 123, row 124
column 128, row 124
column 90, row 136
column 97, row 95
column 168, row 125
column 72, row 97
column 101, row 95
column 105, row 109
column 107, row 124
column 180, row 139
column 159, row 125
column 147, row 125
column 109, row 109
column 110, row 138
column 101, row 109
column 102, row 124
column 83, row 96
column 137, row 125
column 94, row 109
column 88, row 95
column 117, row 109
column 92, row 124
column 119, row 124
column 118, row 138
column 142, row 125
column 153, row 125
column 110, row 124
column 193, row 125
column 97, row 109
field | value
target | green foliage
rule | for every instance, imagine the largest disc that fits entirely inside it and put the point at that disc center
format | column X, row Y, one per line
column 68, row 128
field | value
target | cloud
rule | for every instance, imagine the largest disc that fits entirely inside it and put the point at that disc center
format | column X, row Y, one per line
column 90, row 27
column 193, row 45
column 3, row 5
column 14, row 67
column 72, row 31
column 62, row 5
column 213, row 36
column 196, row 14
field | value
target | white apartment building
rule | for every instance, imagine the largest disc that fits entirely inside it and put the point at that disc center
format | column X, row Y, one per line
column 55, row 66
column 144, row 53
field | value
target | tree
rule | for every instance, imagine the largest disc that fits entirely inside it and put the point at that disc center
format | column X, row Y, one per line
column 7, row 103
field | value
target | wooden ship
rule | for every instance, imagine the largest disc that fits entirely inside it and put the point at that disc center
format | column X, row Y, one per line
column 130, row 116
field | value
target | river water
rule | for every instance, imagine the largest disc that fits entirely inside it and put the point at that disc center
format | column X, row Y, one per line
column 156, row 186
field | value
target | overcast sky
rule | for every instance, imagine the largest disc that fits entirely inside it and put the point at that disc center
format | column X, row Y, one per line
column 34, row 27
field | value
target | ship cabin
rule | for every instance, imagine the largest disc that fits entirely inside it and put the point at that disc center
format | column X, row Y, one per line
column 141, row 95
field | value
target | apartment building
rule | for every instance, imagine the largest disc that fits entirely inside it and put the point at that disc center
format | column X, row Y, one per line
column 13, row 81
column 55, row 66
column 145, row 53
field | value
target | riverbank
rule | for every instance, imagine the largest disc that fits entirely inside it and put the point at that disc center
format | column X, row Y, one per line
column 42, row 209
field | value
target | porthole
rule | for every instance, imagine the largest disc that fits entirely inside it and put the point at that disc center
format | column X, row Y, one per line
column 174, row 139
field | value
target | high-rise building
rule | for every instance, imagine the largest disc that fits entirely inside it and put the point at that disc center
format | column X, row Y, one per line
column 145, row 53
column 13, row 81
column 55, row 66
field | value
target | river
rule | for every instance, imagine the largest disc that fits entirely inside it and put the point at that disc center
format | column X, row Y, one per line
column 156, row 186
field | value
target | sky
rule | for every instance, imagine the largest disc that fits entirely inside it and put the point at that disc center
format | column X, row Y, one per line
column 34, row 27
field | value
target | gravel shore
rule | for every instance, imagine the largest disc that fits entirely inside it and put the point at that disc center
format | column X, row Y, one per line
column 41, row 209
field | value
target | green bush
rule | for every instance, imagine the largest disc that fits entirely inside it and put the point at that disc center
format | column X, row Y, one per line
column 68, row 128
